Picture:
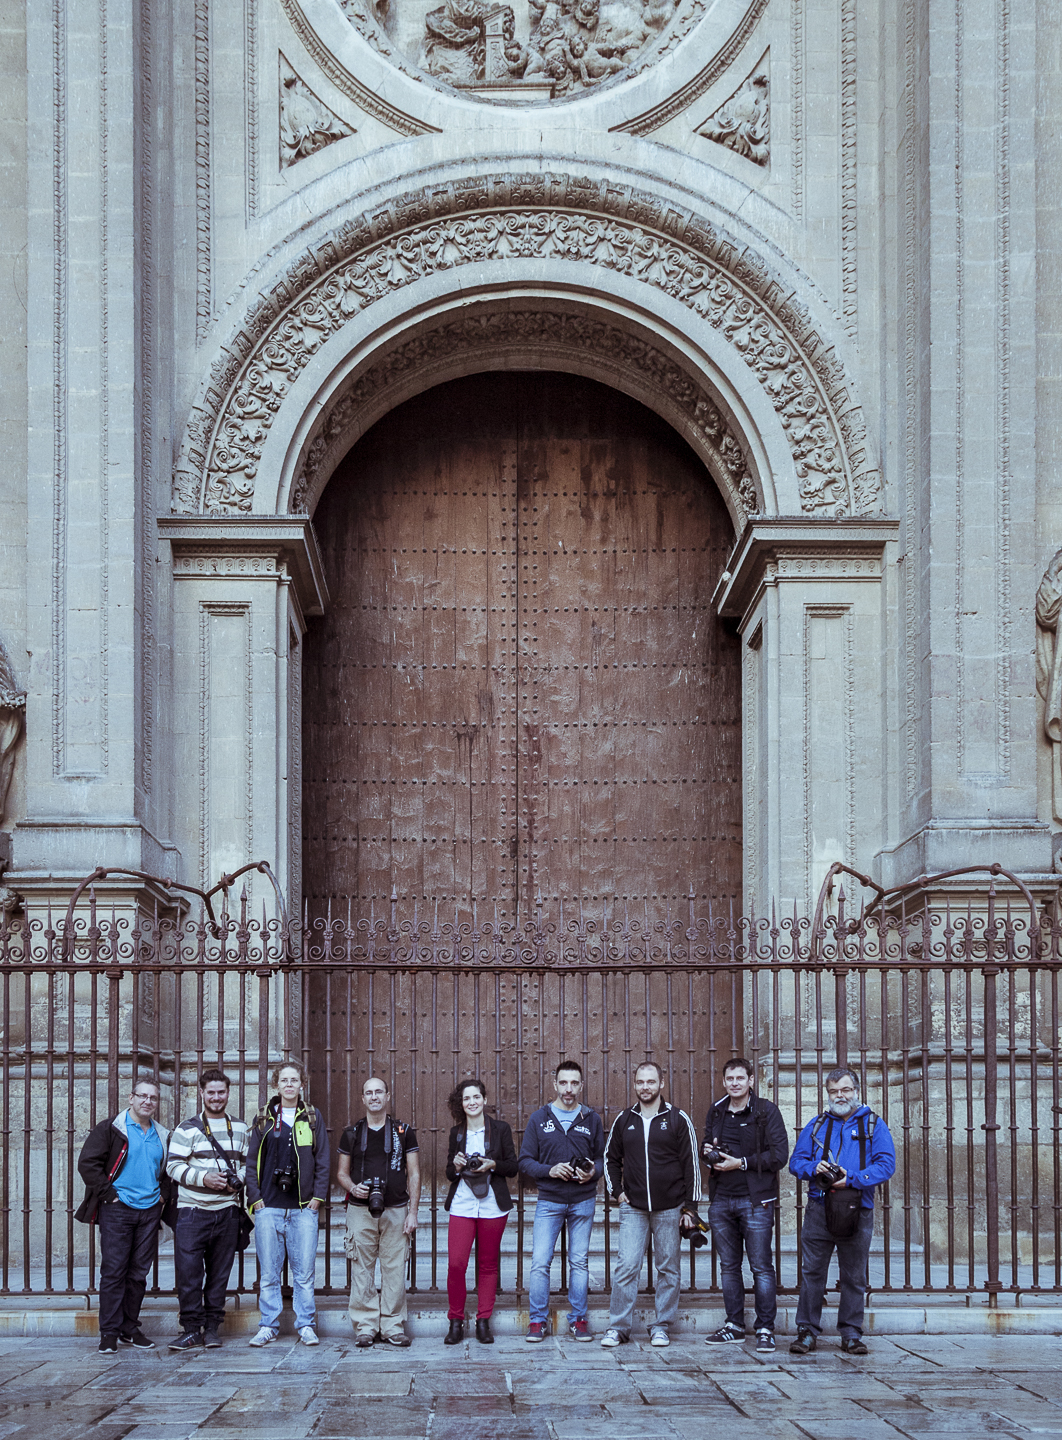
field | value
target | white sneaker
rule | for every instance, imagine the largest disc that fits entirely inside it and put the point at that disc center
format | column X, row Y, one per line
column 265, row 1336
column 659, row 1337
column 308, row 1335
column 612, row 1338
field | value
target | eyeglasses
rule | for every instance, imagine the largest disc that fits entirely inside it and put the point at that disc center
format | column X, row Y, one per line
column 147, row 1099
column 840, row 1094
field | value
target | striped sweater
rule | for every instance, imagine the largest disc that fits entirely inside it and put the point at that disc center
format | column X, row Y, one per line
column 191, row 1156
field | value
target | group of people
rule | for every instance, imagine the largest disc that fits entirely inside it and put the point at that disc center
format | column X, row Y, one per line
column 215, row 1178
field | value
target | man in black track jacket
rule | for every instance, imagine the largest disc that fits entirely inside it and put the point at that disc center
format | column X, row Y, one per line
column 652, row 1170
column 745, row 1146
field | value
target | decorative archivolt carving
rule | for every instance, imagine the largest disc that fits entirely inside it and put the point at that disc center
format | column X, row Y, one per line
column 558, row 333
column 743, row 123
column 306, row 123
column 516, row 218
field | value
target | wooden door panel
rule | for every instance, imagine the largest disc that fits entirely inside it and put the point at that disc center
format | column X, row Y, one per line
column 520, row 689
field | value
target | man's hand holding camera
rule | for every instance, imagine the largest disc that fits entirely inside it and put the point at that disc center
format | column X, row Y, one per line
column 582, row 1171
column 832, row 1173
column 219, row 1180
column 719, row 1160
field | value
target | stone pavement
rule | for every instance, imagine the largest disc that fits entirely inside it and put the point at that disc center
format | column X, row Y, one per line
column 955, row 1388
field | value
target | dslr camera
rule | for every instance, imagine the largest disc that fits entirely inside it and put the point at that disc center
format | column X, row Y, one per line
column 231, row 1179
column 473, row 1164
column 376, row 1197
column 698, row 1236
column 581, row 1162
column 712, row 1153
column 286, row 1177
column 829, row 1172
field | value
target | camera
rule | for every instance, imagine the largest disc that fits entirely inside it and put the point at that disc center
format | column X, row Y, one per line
column 231, row 1179
column 285, row 1177
column 581, row 1162
column 829, row 1172
column 712, row 1153
column 473, row 1164
column 698, row 1236
column 376, row 1197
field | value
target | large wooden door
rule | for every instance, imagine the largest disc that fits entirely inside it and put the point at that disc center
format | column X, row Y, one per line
column 520, row 690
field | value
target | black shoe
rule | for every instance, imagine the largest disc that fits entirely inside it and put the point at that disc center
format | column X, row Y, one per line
column 803, row 1344
column 137, row 1339
column 211, row 1340
column 483, row 1334
column 455, row 1334
column 854, row 1346
column 365, row 1342
column 187, row 1340
column 108, row 1344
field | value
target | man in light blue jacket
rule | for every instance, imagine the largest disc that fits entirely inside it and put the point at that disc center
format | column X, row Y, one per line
column 847, row 1148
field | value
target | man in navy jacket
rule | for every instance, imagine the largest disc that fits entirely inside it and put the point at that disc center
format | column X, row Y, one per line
column 850, row 1136
column 563, row 1153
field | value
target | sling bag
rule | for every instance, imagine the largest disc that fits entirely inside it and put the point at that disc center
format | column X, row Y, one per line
column 844, row 1204
column 243, row 1234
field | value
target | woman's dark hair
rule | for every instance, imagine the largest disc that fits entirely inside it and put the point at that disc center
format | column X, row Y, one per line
column 457, row 1110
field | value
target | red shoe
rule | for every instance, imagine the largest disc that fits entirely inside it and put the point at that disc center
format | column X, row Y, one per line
column 580, row 1329
column 536, row 1332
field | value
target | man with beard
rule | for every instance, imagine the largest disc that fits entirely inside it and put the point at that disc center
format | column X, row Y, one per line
column 846, row 1148
column 207, row 1161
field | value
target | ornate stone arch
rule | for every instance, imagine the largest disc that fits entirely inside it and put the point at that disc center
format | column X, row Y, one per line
column 524, row 225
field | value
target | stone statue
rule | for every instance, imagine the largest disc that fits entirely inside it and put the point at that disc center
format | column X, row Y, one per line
column 12, row 716
column 743, row 123
column 455, row 44
column 1049, row 670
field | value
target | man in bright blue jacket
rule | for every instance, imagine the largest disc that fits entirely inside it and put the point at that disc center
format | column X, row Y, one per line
column 563, row 1153
column 847, row 1145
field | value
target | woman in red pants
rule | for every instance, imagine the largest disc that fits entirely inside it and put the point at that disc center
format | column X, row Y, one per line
column 480, row 1157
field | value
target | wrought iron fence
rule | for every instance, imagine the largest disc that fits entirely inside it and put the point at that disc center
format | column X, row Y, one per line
column 951, row 1020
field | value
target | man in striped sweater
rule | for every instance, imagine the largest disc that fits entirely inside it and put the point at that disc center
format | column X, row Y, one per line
column 207, row 1160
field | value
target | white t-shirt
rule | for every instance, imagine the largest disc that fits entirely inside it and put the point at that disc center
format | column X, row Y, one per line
column 287, row 1115
column 464, row 1203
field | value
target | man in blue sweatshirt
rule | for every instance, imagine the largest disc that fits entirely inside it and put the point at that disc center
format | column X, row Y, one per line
column 563, row 1153
column 847, row 1145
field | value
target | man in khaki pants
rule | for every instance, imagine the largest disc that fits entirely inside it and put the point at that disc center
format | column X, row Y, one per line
column 379, row 1168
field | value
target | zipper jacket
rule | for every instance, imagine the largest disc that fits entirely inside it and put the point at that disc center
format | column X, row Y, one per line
column 546, row 1144
column 310, row 1139
column 764, row 1147
column 842, row 1138
column 100, row 1163
column 655, row 1166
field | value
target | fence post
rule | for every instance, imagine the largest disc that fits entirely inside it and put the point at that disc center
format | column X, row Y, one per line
column 991, row 1125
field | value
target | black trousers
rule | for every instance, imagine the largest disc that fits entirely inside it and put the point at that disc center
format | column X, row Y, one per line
column 129, row 1242
column 204, row 1247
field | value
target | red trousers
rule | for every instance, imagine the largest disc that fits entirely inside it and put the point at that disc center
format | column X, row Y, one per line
column 488, row 1237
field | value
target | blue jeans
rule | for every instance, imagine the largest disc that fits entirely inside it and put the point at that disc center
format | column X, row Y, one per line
column 816, row 1248
column 737, row 1223
column 635, row 1227
column 550, row 1216
column 293, row 1232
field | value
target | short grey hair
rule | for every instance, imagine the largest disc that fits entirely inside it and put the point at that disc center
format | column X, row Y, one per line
column 839, row 1074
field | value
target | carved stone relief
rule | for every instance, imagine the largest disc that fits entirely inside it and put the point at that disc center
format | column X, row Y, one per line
column 12, row 721
column 743, row 123
column 515, row 218
column 1049, row 670
column 533, row 50
column 306, row 123
column 558, row 335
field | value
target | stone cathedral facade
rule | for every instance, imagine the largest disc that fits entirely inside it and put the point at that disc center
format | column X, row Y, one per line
column 559, row 448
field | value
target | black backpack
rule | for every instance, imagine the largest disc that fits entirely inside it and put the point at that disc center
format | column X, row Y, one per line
column 844, row 1204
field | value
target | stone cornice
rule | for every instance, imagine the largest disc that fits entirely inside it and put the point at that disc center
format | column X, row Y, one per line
column 799, row 547
column 247, row 546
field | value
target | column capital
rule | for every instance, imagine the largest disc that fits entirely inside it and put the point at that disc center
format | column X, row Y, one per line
column 201, row 542
column 799, row 547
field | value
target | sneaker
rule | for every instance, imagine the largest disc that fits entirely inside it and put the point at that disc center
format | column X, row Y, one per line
column 803, row 1344
column 188, row 1340
column 108, row 1344
column 308, row 1335
column 580, row 1329
column 400, row 1340
column 765, row 1342
column 727, row 1335
column 365, row 1341
column 536, row 1332
column 265, row 1336
column 659, row 1337
column 211, row 1340
column 612, row 1338
column 138, row 1339
column 854, row 1346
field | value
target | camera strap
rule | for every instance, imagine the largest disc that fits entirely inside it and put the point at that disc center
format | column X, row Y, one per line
column 226, row 1160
